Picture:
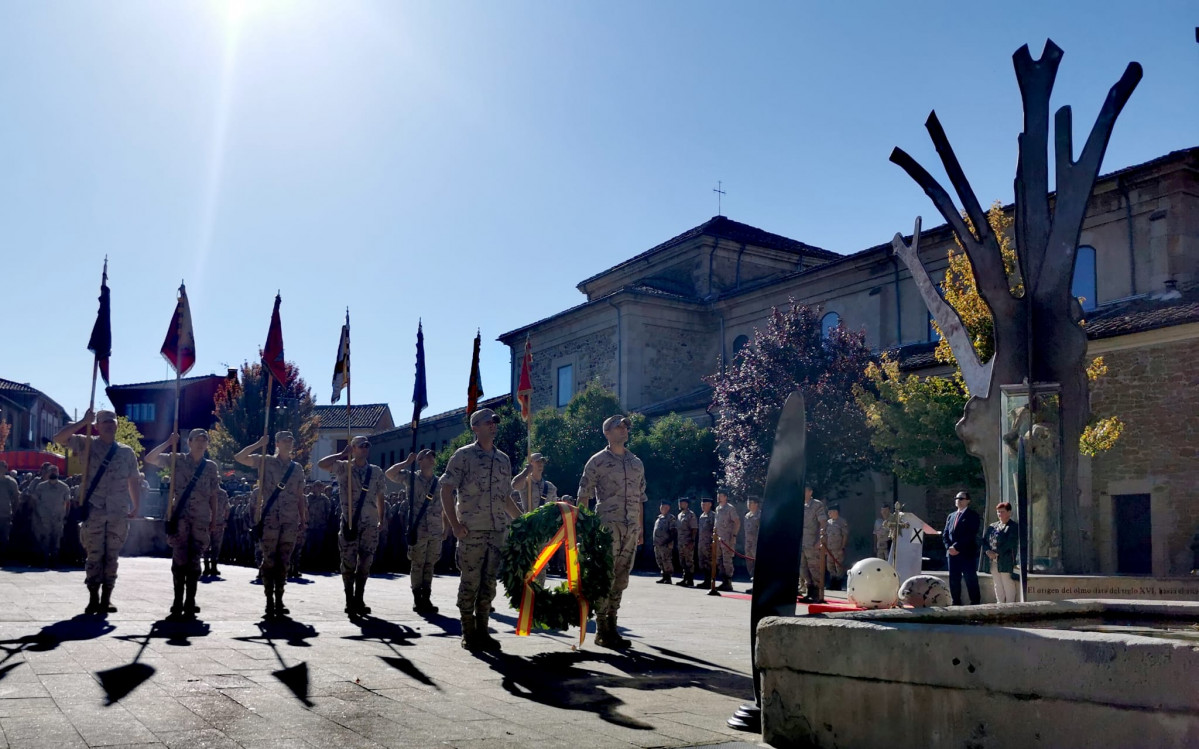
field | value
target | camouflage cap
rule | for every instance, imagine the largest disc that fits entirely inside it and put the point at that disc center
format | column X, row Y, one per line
column 612, row 421
column 280, row 436
column 197, row 432
column 102, row 416
column 426, row 453
column 538, row 458
column 483, row 415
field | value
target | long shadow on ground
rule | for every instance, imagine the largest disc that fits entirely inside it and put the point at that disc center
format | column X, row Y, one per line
column 566, row 680
column 120, row 682
column 80, row 627
column 295, row 678
column 394, row 636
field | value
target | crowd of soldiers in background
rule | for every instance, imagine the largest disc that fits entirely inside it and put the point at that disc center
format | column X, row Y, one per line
column 36, row 527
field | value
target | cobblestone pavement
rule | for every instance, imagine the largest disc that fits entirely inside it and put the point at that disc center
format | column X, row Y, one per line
column 318, row 679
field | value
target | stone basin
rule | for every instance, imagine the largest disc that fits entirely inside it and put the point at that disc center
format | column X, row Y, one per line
column 1077, row 673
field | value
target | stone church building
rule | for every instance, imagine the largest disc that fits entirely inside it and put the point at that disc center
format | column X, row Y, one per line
column 654, row 326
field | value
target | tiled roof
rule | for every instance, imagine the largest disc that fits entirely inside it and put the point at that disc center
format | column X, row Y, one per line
column 16, row 387
column 1142, row 314
column 724, row 227
column 406, row 427
column 700, row 398
column 914, row 355
column 363, row 417
column 162, row 384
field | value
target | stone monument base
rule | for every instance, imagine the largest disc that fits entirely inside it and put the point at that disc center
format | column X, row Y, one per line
column 1107, row 587
column 1042, row 674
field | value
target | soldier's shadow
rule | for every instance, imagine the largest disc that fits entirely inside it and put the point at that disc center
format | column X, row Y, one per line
column 295, row 634
column 583, row 680
column 77, row 628
column 120, row 682
column 394, row 636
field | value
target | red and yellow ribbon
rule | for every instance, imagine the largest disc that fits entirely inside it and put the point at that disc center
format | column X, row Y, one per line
column 568, row 537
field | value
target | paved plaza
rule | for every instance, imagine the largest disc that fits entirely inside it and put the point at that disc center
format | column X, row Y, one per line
column 396, row 679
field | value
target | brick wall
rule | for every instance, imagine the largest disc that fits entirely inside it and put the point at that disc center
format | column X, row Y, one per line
column 1155, row 391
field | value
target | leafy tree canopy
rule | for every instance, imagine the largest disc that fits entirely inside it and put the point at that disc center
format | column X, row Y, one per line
column 241, row 410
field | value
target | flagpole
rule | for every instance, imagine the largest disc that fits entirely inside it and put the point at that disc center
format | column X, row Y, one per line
column 349, row 435
column 87, row 446
column 174, row 450
column 266, row 430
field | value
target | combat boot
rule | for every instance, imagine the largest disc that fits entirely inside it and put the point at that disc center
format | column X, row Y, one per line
column 726, row 585
column 687, row 581
column 483, row 637
column 280, row 609
column 93, row 600
column 614, row 637
column 177, row 578
column 469, row 640
column 418, row 600
column 190, row 609
column 359, row 585
column 427, row 592
column 106, row 606
column 351, row 604
column 270, row 612
column 602, row 638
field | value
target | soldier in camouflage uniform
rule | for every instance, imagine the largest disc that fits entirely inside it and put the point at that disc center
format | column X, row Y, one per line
column 543, row 491
column 48, row 509
column 108, row 507
column 707, row 526
column 814, row 519
column 481, row 474
column 753, row 521
column 10, row 492
column 665, row 531
column 283, row 486
column 836, row 536
column 194, row 511
column 213, row 553
column 427, row 520
column 320, row 508
column 615, row 478
column 728, row 525
column 688, row 528
column 362, row 511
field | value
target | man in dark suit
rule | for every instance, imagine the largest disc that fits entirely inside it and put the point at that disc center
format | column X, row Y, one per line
column 961, row 544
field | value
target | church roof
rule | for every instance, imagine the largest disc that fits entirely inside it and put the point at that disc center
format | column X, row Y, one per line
column 724, row 227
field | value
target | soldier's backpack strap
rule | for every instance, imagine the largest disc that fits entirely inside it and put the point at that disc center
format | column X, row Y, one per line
column 361, row 494
column 270, row 503
column 180, row 505
column 95, row 482
column 429, row 497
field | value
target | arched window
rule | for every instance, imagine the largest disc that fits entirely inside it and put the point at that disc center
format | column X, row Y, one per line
column 1084, row 283
column 739, row 343
column 828, row 322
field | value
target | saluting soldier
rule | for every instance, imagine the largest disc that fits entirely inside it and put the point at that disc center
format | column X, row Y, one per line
column 728, row 525
column 615, row 478
column 213, row 553
column 481, row 474
column 190, row 521
column 753, row 522
column 428, row 530
column 543, row 489
column 688, row 528
column 278, row 519
column 836, row 536
column 707, row 526
column 110, row 495
column 361, row 514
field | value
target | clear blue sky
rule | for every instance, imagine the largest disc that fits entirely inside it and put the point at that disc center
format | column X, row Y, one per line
column 470, row 162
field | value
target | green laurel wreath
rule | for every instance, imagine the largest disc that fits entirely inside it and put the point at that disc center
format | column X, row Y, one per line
column 557, row 608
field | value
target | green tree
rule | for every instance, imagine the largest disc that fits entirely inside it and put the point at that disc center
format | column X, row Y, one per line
column 679, row 456
column 510, row 438
column 241, row 410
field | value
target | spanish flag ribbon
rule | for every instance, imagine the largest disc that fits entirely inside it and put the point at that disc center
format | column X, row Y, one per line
column 566, row 535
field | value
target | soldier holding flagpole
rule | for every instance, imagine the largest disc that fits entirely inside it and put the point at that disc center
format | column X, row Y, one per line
column 110, row 491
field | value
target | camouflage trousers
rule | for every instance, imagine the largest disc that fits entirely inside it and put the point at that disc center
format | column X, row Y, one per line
column 213, row 552
column 687, row 557
column 277, row 544
column 102, row 540
column 704, row 545
column 724, row 558
column 47, row 536
column 478, row 565
column 662, row 555
column 624, row 551
column 358, row 555
column 809, row 567
column 751, row 550
column 836, row 564
column 5, row 533
column 188, row 545
column 424, row 554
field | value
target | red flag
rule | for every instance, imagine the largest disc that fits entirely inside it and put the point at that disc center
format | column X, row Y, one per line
column 474, row 390
column 272, row 353
column 524, row 390
column 179, row 348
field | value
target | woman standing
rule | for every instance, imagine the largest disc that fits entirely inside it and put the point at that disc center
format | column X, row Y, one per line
column 1003, row 545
